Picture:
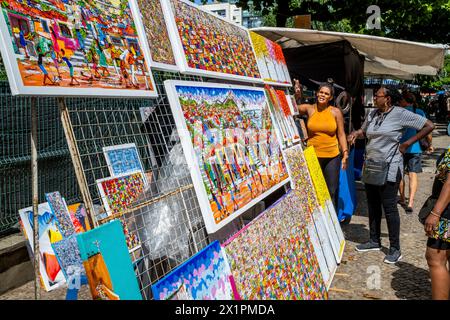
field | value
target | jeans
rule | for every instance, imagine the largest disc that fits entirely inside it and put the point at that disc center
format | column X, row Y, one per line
column 384, row 197
column 331, row 168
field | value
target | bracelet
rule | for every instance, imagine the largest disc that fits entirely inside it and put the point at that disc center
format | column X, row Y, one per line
column 345, row 151
column 435, row 214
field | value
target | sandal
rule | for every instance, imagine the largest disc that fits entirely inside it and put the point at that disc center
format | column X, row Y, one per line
column 409, row 210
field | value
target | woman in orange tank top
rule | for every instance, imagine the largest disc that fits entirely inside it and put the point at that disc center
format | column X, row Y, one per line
column 326, row 134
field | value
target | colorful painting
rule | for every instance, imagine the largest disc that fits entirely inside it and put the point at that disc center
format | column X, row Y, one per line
column 119, row 193
column 320, row 254
column 228, row 139
column 74, row 48
column 78, row 215
column 303, row 187
column 207, row 45
column 61, row 213
column 326, row 204
column 122, row 159
column 284, row 122
column 272, row 258
column 152, row 27
column 52, row 276
column 108, row 264
column 271, row 61
column 205, row 276
column 300, row 178
column 69, row 258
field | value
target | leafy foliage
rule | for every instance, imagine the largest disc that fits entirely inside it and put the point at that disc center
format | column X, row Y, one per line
column 415, row 20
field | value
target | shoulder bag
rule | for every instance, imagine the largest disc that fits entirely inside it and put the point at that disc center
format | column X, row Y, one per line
column 375, row 172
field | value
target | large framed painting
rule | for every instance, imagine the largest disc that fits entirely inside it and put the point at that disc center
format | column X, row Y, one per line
column 208, row 45
column 205, row 276
column 323, row 240
column 273, row 257
column 229, row 143
column 325, row 202
column 152, row 27
column 51, row 274
column 74, row 48
column 122, row 159
column 271, row 62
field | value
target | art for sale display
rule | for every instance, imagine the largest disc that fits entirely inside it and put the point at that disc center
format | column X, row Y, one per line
column 272, row 258
column 78, row 215
column 118, row 193
column 50, row 271
column 205, row 276
column 284, row 122
column 326, row 204
column 207, row 45
column 122, row 159
column 61, row 213
column 300, row 178
column 152, row 27
column 108, row 264
column 228, row 140
column 303, row 187
column 271, row 61
column 74, row 48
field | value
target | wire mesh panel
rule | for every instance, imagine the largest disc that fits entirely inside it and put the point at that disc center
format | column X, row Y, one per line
column 55, row 171
column 166, row 217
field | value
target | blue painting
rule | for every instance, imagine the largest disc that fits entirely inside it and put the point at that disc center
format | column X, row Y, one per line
column 123, row 159
column 205, row 276
column 108, row 264
column 69, row 258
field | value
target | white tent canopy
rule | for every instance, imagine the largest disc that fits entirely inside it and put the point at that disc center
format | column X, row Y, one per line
column 399, row 58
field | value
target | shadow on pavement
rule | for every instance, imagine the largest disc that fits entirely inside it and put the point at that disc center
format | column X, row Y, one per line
column 356, row 232
column 410, row 282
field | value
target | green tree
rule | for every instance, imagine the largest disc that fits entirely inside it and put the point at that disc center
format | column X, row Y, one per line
column 415, row 20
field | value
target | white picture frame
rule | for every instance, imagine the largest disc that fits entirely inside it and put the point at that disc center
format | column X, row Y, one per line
column 138, row 14
column 102, row 193
column 180, row 53
column 111, row 166
column 272, row 73
column 18, row 87
column 189, row 153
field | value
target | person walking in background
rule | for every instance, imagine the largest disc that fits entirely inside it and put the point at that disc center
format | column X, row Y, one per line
column 412, row 159
column 326, row 134
column 384, row 128
column 437, row 229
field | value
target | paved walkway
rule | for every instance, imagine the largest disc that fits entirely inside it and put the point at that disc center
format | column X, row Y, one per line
column 365, row 275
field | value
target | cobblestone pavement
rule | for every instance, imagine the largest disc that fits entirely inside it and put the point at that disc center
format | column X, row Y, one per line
column 360, row 275
column 365, row 275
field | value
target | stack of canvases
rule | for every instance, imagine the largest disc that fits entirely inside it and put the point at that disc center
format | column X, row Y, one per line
column 120, row 191
column 71, row 250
